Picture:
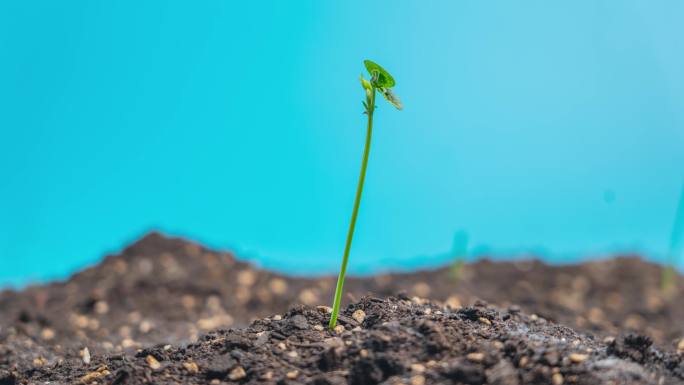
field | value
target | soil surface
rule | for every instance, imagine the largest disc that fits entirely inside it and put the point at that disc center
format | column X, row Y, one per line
column 390, row 341
column 168, row 291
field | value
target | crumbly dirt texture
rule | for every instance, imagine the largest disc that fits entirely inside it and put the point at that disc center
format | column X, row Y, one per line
column 169, row 292
column 390, row 341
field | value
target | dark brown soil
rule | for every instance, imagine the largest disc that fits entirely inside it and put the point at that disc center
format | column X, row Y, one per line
column 391, row 341
column 170, row 291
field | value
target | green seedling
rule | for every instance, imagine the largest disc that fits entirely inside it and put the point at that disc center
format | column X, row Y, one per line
column 459, row 252
column 668, row 280
column 380, row 81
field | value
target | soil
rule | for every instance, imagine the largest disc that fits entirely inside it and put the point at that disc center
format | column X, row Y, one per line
column 390, row 341
column 164, row 291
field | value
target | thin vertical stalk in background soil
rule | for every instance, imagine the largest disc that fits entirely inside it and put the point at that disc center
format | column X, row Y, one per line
column 669, row 276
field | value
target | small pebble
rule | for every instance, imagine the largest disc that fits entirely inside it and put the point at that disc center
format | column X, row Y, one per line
column 268, row 376
column 93, row 324
column 246, row 278
column 277, row 317
column 101, row 307
column 308, row 297
column 80, row 321
column 339, row 329
column 188, row 301
column 418, row 380
column 578, row 357
column 47, row 334
column 453, row 302
column 680, row 346
column 324, row 309
column 128, row 343
column 152, row 362
column 475, row 357
column 92, row 376
column 40, row 361
column 299, row 321
column 485, row 321
column 359, row 316
column 191, row 367
column 292, row 374
column 319, row 328
column 145, row 326
column 237, row 374
column 557, row 379
column 418, row 368
column 278, row 286
column 85, row 355
column 125, row 331
column 293, row 354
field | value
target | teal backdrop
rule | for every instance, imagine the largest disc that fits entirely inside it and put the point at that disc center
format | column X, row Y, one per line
column 537, row 127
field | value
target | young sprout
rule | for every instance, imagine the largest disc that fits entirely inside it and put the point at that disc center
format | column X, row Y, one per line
column 459, row 251
column 669, row 274
column 380, row 81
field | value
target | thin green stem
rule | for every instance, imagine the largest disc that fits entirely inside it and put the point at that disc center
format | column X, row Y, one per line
column 352, row 223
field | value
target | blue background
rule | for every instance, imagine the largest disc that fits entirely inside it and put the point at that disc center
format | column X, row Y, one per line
column 554, row 128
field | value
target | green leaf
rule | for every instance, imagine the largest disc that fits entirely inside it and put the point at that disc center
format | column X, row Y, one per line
column 365, row 83
column 391, row 97
column 366, row 86
column 384, row 79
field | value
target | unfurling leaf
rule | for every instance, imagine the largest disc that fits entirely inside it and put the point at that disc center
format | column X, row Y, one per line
column 367, row 87
column 365, row 84
column 384, row 79
column 391, row 97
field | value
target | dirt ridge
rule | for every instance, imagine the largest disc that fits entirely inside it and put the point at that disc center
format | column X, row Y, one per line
column 390, row 341
column 170, row 291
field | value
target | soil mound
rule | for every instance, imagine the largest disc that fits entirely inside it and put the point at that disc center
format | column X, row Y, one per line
column 389, row 341
column 164, row 290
